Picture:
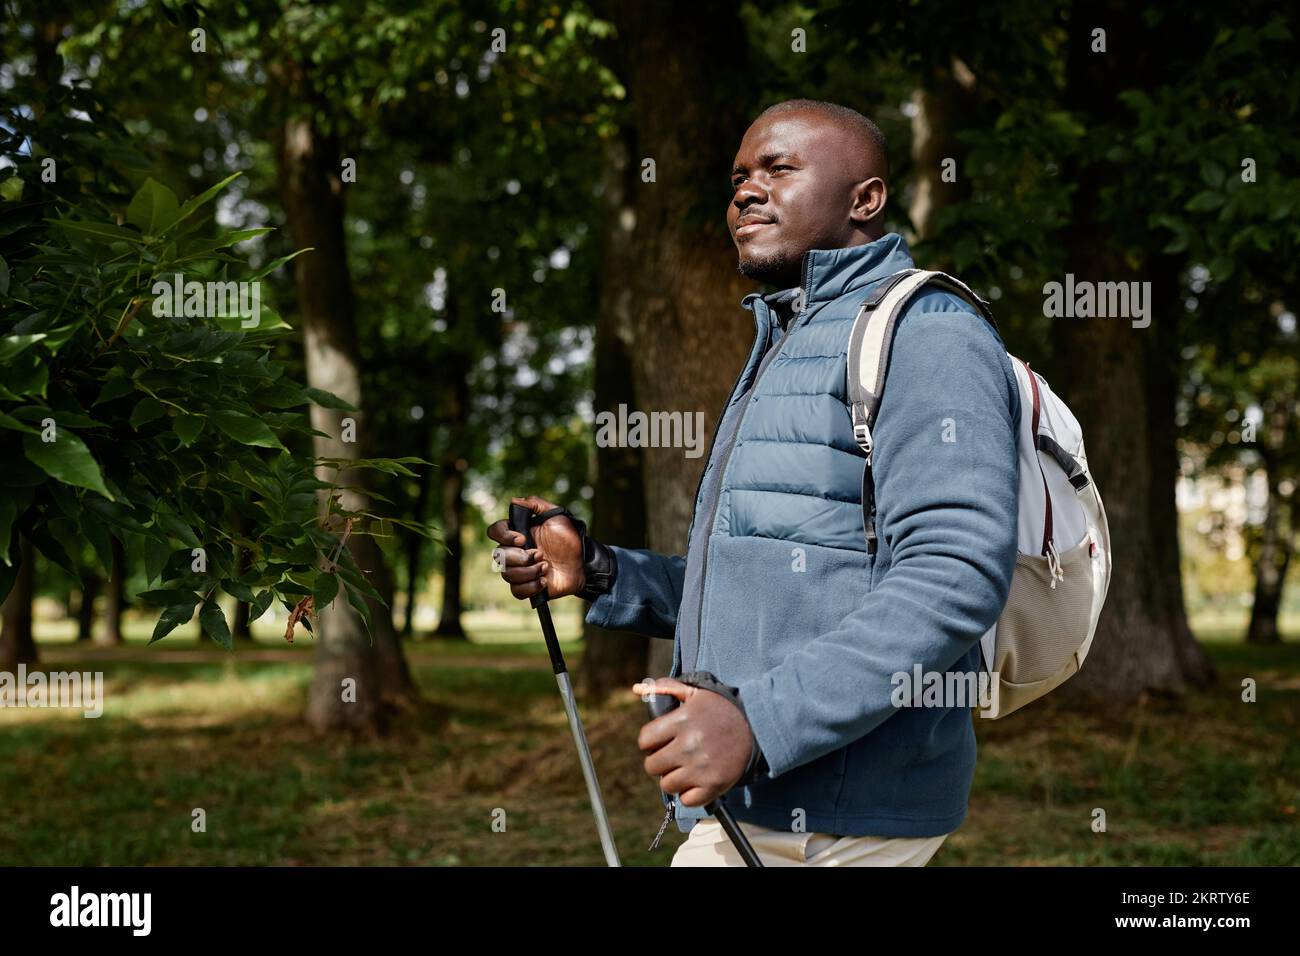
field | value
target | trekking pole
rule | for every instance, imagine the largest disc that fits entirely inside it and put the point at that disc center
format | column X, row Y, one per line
column 661, row 704
column 520, row 516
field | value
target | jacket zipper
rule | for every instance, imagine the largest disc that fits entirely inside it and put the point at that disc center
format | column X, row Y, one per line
column 726, row 460
column 713, row 508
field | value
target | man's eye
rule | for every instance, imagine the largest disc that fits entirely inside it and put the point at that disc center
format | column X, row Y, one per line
column 775, row 168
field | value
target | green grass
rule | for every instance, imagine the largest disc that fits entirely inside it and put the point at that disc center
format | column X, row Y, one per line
column 1206, row 780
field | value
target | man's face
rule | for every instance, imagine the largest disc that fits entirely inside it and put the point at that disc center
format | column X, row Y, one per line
column 794, row 178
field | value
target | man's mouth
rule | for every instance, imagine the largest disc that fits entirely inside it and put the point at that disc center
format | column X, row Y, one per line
column 747, row 225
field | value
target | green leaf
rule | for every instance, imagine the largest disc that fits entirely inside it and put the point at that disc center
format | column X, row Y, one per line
column 11, row 189
column 357, row 582
column 213, row 621
column 101, row 231
column 8, row 421
column 246, row 429
column 12, row 345
column 146, row 410
column 8, row 514
column 177, row 528
column 4, row 276
column 259, row 606
column 173, row 617
column 50, row 546
column 238, row 590
column 1205, row 201
column 94, row 530
column 68, row 459
column 204, row 247
column 156, row 553
column 27, row 376
column 153, row 208
column 267, row 320
column 194, row 202
column 325, row 590
column 328, row 400
column 116, row 384
column 359, row 603
column 272, row 266
column 187, row 427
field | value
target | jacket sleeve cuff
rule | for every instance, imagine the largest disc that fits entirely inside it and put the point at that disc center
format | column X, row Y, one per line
column 766, row 727
column 600, row 569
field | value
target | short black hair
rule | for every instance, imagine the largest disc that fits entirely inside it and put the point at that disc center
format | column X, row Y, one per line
column 843, row 115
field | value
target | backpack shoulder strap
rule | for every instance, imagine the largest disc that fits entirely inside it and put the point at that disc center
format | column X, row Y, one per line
column 872, row 338
column 870, row 342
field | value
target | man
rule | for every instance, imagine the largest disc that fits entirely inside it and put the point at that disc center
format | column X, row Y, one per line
column 805, row 628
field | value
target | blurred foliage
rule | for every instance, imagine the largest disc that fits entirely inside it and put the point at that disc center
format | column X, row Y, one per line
column 479, row 131
column 121, row 417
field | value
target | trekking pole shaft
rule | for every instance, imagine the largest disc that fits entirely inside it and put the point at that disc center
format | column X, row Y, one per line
column 733, row 831
column 588, row 770
column 519, row 522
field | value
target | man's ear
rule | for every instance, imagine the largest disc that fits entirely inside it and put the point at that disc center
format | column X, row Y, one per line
column 869, row 198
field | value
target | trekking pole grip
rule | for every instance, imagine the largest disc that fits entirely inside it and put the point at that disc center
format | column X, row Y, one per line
column 661, row 704
column 520, row 516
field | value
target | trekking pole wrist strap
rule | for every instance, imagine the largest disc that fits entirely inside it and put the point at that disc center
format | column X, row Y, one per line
column 757, row 767
column 599, row 565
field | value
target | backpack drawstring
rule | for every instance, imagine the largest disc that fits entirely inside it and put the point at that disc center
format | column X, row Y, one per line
column 1054, row 564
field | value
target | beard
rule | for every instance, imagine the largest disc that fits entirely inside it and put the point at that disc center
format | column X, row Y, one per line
column 774, row 268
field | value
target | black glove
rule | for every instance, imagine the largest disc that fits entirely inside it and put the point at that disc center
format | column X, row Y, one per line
column 599, row 565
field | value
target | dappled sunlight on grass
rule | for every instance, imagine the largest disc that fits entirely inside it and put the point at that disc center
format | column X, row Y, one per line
column 1202, row 780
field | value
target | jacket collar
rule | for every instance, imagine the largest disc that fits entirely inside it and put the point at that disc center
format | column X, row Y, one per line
column 831, row 273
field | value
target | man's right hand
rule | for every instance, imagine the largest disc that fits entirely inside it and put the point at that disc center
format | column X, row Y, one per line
column 555, row 563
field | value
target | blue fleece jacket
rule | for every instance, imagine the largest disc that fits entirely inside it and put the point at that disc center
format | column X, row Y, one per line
column 778, row 594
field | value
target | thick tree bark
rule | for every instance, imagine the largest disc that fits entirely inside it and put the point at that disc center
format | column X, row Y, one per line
column 17, row 642
column 613, row 660
column 312, row 193
column 688, row 103
column 115, row 599
column 1119, row 381
column 1271, row 565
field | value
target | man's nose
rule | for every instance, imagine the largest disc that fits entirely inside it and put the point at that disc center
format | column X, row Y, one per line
column 749, row 194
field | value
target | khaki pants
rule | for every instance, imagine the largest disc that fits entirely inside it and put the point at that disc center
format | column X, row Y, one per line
column 707, row 845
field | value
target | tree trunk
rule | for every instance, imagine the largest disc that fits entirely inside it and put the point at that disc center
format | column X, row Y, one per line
column 687, row 334
column 1120, row 382
column 397, row 687
column 312, row 192
column 116, row 599
column 950, row 95
column 453, row 519
column 240, row 629
column 1271, row 565
column 414, row 544
column 90, row 586
column 614, row 660
column 17, row 643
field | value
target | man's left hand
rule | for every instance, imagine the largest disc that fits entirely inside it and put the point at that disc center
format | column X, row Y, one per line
column 700, row 748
